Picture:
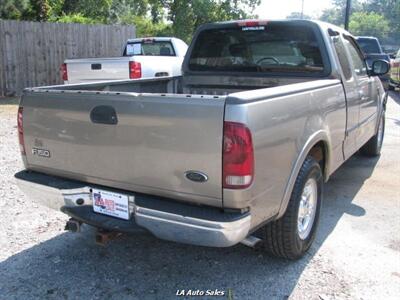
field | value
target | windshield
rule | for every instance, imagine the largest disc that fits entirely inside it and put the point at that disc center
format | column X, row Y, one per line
column 369, row 46
column 278, row 48
column 149, row 47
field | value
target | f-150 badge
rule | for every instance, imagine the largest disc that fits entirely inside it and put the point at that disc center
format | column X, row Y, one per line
column 41, row 152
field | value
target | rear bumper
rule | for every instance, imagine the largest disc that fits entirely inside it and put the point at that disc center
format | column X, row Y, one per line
column 165, row 218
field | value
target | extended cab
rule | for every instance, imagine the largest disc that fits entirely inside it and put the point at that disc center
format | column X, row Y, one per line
column 237, row 149
column 141, row 58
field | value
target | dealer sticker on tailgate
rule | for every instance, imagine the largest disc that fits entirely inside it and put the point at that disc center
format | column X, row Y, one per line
column 110, row 203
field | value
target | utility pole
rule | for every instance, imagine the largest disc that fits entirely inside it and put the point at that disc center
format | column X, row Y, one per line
column 302, row 9
column 347, row 15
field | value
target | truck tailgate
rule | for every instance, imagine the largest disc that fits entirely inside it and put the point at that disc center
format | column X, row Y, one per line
column 97, row 69
column 154, row 141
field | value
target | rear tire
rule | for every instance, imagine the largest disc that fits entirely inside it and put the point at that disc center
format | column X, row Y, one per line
column 374, row 145
column 290, row 236
column 391, row 87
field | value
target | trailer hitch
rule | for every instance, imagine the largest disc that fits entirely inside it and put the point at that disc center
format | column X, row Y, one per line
column 104, row 236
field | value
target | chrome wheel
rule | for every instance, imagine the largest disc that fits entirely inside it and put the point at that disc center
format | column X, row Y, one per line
column 307, row 208
column 380, row 133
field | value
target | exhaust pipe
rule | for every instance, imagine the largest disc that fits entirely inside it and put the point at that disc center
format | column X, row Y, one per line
column 104, row 236
column 73, row 225
column 252, row 242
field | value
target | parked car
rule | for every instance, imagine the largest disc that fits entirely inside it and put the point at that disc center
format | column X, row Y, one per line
column 395, row 72
column 141, row 58
column 237, row 149
column 373, row 51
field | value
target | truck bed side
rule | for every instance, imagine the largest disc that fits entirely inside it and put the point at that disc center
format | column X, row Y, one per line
column 286, row 122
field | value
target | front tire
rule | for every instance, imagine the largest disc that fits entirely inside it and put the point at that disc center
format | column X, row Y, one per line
column 374, row 145
column 292, row 235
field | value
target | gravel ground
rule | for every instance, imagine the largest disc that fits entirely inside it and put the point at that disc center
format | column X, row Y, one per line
column 356, row 254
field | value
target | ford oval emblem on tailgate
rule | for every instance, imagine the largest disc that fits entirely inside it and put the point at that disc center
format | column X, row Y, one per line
column 196, row 176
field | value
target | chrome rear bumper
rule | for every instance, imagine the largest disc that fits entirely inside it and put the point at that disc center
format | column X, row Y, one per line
column 166, row 219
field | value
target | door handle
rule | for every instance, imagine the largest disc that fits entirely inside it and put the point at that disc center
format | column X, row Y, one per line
column 104, row 114
column 96, row 66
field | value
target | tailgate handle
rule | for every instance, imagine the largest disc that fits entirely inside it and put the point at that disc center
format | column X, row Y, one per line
column 96, row 66
column 104, row 114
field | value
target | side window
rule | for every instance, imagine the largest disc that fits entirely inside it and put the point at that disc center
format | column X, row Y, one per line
column 359, row 65
column 342, row 55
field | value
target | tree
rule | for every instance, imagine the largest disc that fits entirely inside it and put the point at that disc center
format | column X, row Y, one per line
column 93, row 9
column 74, row 18
column 151, row 17
column 390, row 9
column 13, row 9
column 336, row 14
column 39, row 10
column 360, row 15
column 187, row 15
column 362, row 23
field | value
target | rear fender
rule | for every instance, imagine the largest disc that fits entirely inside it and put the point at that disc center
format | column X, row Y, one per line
column 311, row 142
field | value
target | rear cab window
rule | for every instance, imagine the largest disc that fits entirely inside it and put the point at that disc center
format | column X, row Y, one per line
column 149, row 47
column 276, row 48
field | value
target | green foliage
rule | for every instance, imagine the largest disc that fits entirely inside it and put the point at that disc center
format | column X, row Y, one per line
column 177, row 17
column 187, row 15
column 74, row 18
column 380, row 18
column 372, row 24
column 39, row 10
column 13, row 9
column 94, row 9
column 145, row 27
column 336, row 14
column 151, row 17
column 390, row 9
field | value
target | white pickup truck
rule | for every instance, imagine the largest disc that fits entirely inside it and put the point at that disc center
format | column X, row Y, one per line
column 141, row 58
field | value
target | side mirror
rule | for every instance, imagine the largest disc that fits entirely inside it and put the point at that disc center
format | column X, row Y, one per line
column 380, row 67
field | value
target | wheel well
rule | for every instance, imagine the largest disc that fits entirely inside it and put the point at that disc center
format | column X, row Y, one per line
column 318, row 152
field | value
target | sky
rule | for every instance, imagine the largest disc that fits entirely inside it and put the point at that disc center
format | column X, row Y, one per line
column 279, row 9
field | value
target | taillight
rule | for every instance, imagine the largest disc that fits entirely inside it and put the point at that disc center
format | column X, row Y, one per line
column 21, row 131
column 135, row 70
column 252, row 23
column 64, row 73
column 237, row 156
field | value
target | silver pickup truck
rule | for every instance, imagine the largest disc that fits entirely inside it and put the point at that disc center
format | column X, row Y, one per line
column 237, row 149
